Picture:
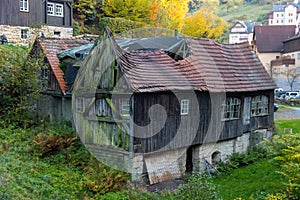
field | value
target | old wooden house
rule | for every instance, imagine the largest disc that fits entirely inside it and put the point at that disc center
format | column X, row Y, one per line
column 21, row 20
column 159, row 113
column 59, row 60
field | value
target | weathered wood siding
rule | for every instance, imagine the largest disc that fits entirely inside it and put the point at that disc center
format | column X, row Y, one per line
column 55, row 107
column 100, row 124
column 10, row 13
column 65, row 21
column 209, row 126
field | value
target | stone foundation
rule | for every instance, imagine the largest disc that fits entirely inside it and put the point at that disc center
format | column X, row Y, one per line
column 163, row 160
column 13, row 33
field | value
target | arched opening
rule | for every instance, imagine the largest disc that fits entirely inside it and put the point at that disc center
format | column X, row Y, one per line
column 216, row 158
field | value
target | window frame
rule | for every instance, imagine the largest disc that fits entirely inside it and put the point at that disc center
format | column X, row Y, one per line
column 184, row 106
column 259, row 105
column 80, row 105
column 231, row 109
column 125, row 107
column 24, row 34
column 49, row 4
column 61, row 9
column 57, row 9
column 24, row 5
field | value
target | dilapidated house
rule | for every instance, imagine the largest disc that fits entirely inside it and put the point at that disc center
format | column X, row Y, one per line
column 160, row 113
column 60, row 59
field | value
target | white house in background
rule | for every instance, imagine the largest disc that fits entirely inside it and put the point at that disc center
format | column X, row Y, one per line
column 285, row 14
column 242, row 32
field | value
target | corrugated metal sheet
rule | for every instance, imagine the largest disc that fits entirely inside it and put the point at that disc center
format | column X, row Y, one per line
column 211, row 66
column 162, row 167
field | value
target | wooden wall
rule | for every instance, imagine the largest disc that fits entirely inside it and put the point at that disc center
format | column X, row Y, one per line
column 10, row 14
column 192, row 130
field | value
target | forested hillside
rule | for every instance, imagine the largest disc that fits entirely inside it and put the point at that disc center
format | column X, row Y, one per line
column 205, row 19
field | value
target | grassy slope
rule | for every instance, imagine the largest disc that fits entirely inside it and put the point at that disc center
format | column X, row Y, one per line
column 245, row 12
column 254, row 181
column 68, row 174
column 251, row 181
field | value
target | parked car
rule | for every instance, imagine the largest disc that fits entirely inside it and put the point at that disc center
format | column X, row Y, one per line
column 291, row 95
column 275, row 107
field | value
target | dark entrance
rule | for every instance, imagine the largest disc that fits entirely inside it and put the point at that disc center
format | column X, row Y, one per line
column 189, row 160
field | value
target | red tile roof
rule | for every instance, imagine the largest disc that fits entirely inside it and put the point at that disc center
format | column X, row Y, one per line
column 211, row 67
column 52, row 46
column 270, row 38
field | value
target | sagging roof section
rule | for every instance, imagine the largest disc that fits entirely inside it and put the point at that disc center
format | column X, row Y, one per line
column 211, row 66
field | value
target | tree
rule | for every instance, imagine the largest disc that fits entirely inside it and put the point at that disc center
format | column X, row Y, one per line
column 86, row 10
column 204, row 24
column 172, row 13
column 18, row 85
column 134, row 10
column 292, row 75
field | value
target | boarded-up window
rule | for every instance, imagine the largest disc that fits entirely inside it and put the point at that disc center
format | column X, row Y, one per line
column 184, row 107
column 259, row 105
column 231, row 109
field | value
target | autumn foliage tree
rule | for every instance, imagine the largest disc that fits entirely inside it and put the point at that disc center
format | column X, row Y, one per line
column 204, row 24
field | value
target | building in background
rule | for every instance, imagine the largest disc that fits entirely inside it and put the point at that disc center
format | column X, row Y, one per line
column 22, row 20
column 242, row 32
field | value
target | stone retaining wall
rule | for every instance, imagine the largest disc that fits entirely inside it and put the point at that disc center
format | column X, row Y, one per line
column 13, row 33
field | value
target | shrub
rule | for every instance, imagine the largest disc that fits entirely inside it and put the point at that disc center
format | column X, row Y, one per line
column 286, row 149
column 199, row 187
column 237, row 160
column 119, row 25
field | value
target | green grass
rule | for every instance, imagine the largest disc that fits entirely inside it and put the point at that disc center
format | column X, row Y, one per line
column 253, row 181
column 246, row 12
column 294, row 124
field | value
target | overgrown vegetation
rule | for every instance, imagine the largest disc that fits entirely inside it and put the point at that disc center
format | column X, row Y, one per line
column 18, row 85
column 26, row 172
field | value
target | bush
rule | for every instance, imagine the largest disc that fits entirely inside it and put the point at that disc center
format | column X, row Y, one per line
column 237, row 160
column 199, row 187
column 286, row 149
column 119, row 25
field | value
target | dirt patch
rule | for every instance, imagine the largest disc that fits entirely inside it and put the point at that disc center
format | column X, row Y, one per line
column 166, row 185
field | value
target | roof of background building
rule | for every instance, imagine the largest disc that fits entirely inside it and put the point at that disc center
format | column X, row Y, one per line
column 270, row 38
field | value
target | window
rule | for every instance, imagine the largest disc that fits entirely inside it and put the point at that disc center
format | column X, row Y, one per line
column 80, row 105
column 24, row 33
column 231, row 109
column 59, row 10
column 184, row 107
column 259, row 105
column 125, row 107
column 50, row 8
column 55, row 9
column 298, row 56
column 24, row 6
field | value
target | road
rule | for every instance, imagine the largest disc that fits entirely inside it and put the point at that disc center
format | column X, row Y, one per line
column 293, row 113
